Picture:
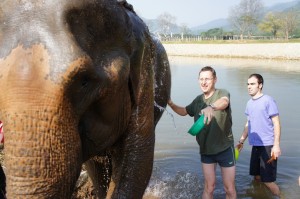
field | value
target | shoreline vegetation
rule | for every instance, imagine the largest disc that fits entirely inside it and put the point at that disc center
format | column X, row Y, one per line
column 259, row 50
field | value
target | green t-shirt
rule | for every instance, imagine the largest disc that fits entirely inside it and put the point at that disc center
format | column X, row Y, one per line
column 217, row 136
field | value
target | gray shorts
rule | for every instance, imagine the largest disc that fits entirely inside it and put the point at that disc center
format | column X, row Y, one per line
column 224, row 158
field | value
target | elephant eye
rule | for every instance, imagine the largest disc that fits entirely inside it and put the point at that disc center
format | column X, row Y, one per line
column 84, row 82
column 91, row 30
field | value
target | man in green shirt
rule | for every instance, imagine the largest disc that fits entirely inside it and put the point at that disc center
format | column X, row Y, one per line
column 215, row 139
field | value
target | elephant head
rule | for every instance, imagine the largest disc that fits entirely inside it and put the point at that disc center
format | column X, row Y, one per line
column 79, row 80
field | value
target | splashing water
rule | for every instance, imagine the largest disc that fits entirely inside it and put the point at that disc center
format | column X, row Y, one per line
column 179, row 186
column 167, row 112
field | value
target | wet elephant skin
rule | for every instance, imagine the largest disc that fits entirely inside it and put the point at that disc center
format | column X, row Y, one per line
column 82, row 81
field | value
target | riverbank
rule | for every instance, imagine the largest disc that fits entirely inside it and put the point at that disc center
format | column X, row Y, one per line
column 281, row 65
column 283, row 51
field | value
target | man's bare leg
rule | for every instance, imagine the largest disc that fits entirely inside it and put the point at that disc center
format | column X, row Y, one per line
column 228, row 175
column 273, row 188
column 209, row 172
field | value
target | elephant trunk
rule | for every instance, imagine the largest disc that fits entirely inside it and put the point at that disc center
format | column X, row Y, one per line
column 42, row 152
column 42, row 145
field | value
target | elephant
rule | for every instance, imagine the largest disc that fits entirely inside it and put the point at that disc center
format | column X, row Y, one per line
column 82, row 82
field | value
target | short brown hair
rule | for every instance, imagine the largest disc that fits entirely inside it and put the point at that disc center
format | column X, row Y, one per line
column 259, row 78
column 208, row 68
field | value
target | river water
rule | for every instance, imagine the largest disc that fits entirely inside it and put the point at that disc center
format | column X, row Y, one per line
column 177, row 169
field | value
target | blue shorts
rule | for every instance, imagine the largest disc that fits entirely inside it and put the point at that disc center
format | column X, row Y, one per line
column 224, row 158
column 259, row 166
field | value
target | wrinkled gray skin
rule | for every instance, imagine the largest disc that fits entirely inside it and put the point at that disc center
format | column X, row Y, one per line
column 78, row 79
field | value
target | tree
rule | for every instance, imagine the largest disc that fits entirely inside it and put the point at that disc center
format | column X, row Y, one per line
column 215, row 32
column 271, row 24
column 245, row 16
column 184, row 29
column 166, row 21
column 289, row 21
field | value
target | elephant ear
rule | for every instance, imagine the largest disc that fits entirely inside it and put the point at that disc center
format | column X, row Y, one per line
column 136, row 66
column 141, row 60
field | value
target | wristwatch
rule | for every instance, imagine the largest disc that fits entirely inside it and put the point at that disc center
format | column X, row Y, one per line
column 212, row 106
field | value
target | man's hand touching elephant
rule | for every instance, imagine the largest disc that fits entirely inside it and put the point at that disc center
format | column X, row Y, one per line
column 176, row 108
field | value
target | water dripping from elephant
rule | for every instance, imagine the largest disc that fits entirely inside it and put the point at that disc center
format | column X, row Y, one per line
column 167, row 112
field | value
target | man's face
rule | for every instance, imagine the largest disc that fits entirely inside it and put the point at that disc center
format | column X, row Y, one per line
column 253, row 87
column 207, row 81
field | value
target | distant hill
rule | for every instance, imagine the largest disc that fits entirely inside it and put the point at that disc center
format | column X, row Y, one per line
column 222, row 22
column 218, row 23
column 282, row 6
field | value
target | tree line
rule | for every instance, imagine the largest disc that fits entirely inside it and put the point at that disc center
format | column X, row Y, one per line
column 247, row 20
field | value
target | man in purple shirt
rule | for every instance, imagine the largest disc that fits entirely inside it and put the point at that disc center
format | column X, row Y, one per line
column 263, row 129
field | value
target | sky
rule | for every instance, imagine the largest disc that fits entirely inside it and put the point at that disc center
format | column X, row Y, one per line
column 190, row 12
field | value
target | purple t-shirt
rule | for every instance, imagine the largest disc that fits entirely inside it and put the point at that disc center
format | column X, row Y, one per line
column 259, row 115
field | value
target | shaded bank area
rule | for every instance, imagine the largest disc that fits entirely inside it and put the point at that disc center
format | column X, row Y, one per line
column 285, row 51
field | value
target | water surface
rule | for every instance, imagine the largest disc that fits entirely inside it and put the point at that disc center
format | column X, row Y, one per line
column 177, row 169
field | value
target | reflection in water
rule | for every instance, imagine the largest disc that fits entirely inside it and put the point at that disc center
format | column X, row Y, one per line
column 177, row 169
